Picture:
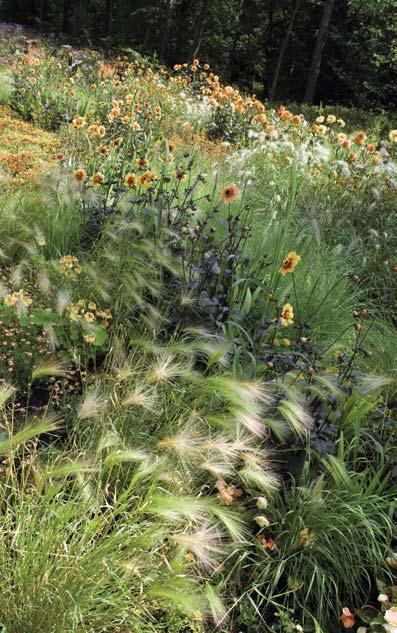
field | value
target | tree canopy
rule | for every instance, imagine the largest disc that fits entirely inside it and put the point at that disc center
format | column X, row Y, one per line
column 342, row 51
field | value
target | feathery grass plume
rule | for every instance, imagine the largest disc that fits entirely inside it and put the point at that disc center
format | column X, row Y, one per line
column 3, row 290
column 181, row 594
column 51, row 336
column 294, row 413
column 51, row 367
column 186, row 442
column 175, row 507
column 216, row 606
column 321, row 383
column 205, row 544
column 92, row 405
column 222, row 444
column 141, row 397
column 110, row 439
column 16, row 274
column 243, row 395
column 368, row 384
column 124, row 456
column 215, row 348
column 63, row 299
column 252, row 423
column 165, row 369
column 182, row 508
column 292, row 410
column 6, row 391
column 217, row 469
column 43, row 281
column 46, row 424
column 65, row 467
column 257, row 470
column 39, row 236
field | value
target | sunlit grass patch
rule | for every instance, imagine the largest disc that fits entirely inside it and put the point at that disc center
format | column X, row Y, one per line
column 26, row 151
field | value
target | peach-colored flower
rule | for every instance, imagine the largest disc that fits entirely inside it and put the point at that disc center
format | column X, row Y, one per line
column 360, row 138
column 290, row 263
column 98, row 178
column 267, row 543
column 391, row 619
column 347, row 618
column 383, row 597
column 287, row 315
column 80, row 175
column 130, row 180
column 146, row 179
column 229, row 193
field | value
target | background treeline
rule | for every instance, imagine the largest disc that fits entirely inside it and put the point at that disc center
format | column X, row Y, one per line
column 336, row 51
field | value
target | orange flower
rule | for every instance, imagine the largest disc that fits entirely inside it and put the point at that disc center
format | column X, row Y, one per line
column 79, row 122
column 393, row 136
column 371, row 148
column 101, row 131
column 229, row 193
column 80, row 175
column 130, row 180
column 290, row 263
column 267, row 543
column 116, row 142
column 347, row 618
column 141, row 163
column 360, row 138
column 287, row 315
column 147, row 178
column 98, row 178
column 228, row 493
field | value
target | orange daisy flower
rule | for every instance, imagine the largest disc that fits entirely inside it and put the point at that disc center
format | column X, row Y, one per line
column 141, row 163
column 147, row 178
column 80, row 175
column 98, row 178
column 287, row 315
column 130, row 180
column 230, row 193
column 290, row 263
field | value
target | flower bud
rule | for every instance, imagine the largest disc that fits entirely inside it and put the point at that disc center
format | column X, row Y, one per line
column 262, row 521
column 261, row 503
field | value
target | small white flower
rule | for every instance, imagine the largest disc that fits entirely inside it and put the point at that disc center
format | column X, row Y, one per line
column 262, row 521
column 383, row 597
column 261, row 503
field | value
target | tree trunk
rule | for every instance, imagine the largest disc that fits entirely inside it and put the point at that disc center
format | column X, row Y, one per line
column 198, row 33
column 268, row 44
column 318, row 52
column 108, row 17
column 66, row 15
column 166, row 30
column 76, row 20
column 232, row 63
column 43, row 11
column 283, row 50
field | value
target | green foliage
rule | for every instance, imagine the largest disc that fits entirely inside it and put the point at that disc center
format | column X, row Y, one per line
column 197, row 319
column 323, row 531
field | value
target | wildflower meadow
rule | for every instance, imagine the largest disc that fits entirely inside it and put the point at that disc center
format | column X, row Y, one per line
column 198, row 351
